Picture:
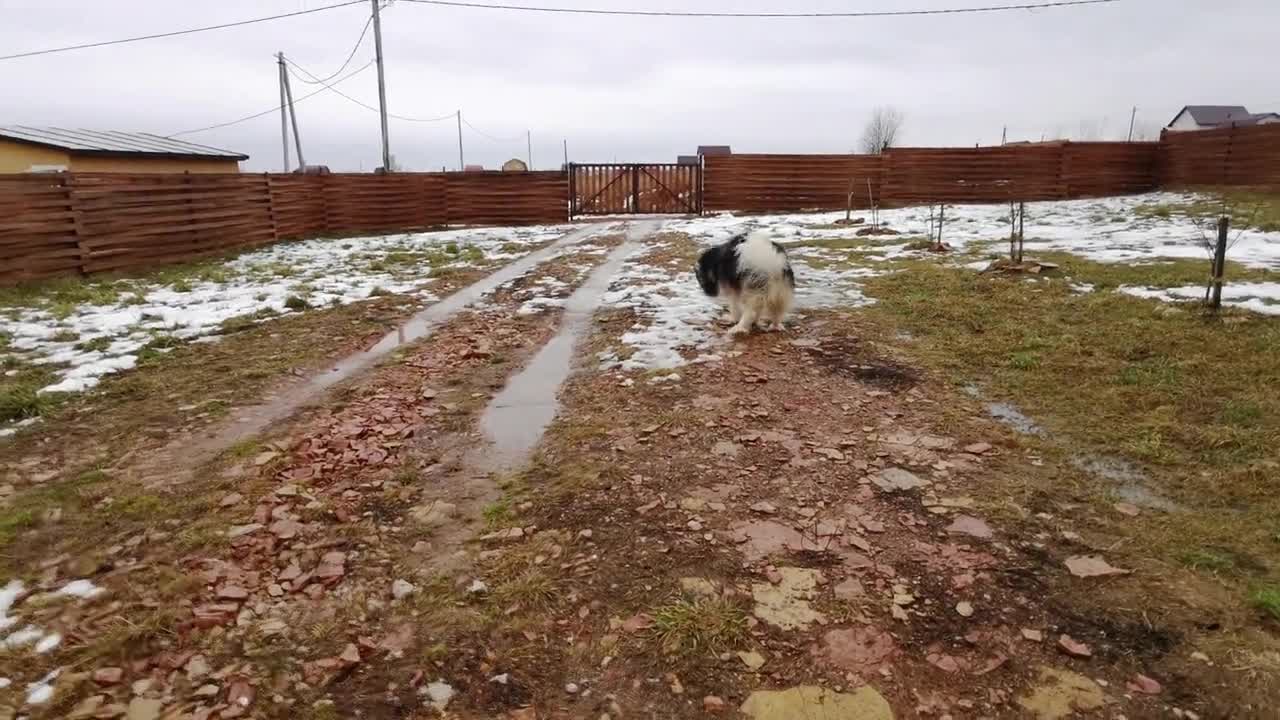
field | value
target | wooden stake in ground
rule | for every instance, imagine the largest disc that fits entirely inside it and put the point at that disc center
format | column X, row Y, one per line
column 1016, row 214
column 1220, row 262
column 875, row 209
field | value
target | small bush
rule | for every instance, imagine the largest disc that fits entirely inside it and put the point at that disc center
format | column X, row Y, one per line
column 296, row 303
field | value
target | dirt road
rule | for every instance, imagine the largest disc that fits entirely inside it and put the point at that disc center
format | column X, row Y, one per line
column 521, row 514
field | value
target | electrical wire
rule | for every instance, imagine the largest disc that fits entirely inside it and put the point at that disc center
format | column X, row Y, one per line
column 329, row 86
column 354, row 73
column 336, row 73
column 484, row 134
column 761, row 15
column 174, row 33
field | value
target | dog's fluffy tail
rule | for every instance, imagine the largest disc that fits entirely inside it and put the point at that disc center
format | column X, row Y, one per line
column 761, row 258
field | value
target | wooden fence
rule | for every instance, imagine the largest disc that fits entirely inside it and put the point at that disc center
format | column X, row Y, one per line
column 779, row 183
column 63, row 223
column 907, row 176
column 1240, row 157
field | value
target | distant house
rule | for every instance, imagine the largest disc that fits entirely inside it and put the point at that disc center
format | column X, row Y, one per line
column 688, row 160
column 473, row 168
column 38, row 149
column 714, row 150
column 1206, row 117
column 515, row 165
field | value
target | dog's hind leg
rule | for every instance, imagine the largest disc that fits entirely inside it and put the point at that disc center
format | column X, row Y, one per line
column 777, row 305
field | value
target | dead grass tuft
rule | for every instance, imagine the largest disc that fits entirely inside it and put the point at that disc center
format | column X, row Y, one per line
column 698, row 626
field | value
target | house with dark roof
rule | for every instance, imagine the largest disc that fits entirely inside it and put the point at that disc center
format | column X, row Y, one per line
column 47, row 149
column 1206, row 117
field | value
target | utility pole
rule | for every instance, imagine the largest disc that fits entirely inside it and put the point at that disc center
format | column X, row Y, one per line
column 528, row 138
column 461, row 162
column 284, row 118
column 1132, row 117
column 566, row 152
column 1004, row 135
column 382, row 87
column 293, row 115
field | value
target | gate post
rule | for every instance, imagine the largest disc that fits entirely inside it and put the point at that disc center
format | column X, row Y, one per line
column 635, row 189
column 573, row 190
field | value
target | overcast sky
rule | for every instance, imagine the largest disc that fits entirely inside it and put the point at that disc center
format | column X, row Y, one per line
column 635, row 89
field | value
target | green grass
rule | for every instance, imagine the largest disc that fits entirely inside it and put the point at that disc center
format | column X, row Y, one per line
column 1259, row 211
column 1204, row 386
column 1267, row 600
column 499, row 514
column 1209, row 560
column 99, row 344
column 698, row 626
column 296, row 303
column 1161, row 274
column 1188, row 398
column 65, row 336
column 63, row 291
column 20, row 397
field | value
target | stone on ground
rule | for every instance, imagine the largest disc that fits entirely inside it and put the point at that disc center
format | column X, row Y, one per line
column 1060, row 694
column 786, row 605
column 896, row 479
column 817, row 703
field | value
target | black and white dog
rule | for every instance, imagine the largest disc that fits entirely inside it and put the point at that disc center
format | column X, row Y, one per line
column 753, row 274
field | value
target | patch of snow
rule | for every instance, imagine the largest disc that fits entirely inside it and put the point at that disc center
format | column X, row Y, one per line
column 48, row 642
column 1099, row 229
column 1083, row 288
column 80, row 588
column 674, row 315
column 41, row 691
column 325, row 271
column 9, row 594
column 5, row 682
column 438, row 694
column 1259, row 297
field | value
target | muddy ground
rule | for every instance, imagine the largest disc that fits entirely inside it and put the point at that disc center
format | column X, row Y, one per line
column 805, row 524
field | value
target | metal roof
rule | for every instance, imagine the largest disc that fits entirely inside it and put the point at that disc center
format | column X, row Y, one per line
column 1215, row 114
column 111, row 142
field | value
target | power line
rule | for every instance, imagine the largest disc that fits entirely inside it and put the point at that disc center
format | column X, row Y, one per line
column 484, row 134
column 277, row 107
column 329, row 86
column 174, row 33
column 762, row 15
column 336, row 73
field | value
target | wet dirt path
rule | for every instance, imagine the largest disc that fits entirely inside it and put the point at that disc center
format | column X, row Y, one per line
column 250, row 421
column 514, row 421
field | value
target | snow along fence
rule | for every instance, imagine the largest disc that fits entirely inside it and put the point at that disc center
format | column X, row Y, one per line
column 53, row 224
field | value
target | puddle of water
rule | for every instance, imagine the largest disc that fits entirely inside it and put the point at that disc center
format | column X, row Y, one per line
column 1130, row 482
column 422, row 324
column 515, row 420
column 253, row 420
column 1013, row 417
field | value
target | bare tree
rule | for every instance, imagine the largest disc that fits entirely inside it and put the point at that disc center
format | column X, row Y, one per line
column 882, row 130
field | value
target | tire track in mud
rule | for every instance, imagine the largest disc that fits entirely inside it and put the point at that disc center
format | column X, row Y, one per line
column 302, row 541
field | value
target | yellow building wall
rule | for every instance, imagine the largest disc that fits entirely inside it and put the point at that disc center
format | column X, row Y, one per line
column 152, row 165
column 18, row 157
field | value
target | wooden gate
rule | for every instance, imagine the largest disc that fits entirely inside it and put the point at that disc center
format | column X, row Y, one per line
column 634, row 188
